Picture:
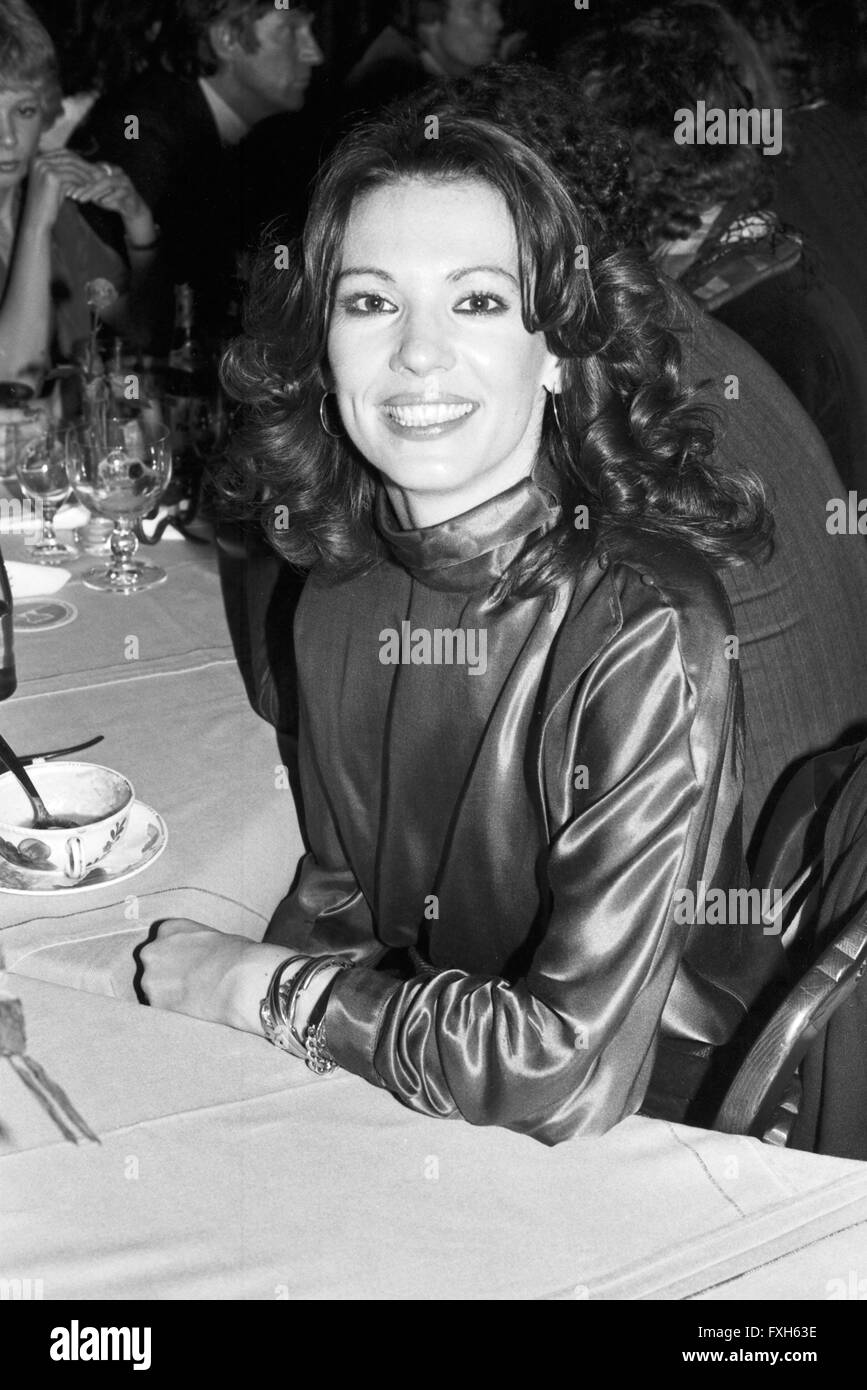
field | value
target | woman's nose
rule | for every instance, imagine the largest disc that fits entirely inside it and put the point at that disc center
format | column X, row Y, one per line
column 423, row 347
column 7, row 131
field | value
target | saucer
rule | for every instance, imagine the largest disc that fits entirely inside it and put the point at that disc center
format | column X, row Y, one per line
column 145, row 839
column 42, row 615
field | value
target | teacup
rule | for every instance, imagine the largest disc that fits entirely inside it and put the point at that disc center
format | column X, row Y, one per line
column 96, row 801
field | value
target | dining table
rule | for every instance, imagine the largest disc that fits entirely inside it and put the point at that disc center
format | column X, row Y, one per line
column 224, row 1169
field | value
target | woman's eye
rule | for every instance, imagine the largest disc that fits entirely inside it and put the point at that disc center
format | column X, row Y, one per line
column 482, row 304
column 367, row 304
column 28, row 112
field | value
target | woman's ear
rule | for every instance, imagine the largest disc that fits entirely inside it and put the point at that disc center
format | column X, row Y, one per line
column 553, row 379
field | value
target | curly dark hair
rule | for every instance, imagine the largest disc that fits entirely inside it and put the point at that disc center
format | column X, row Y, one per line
column 638, row 74
column 591, row 157
column 635, row 447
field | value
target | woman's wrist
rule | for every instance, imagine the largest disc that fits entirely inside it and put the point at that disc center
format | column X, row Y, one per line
column 37, row 223
column 142, row 234
column 246, row 983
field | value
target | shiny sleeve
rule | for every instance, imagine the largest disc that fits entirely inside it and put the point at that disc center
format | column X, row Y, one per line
column 325, row 911
column 568, row 1049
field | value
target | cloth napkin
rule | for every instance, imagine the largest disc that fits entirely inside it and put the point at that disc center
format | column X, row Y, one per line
column 35, row 581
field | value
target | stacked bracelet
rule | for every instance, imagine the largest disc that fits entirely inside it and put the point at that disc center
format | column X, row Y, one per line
column 316, row 1054
column 273, row 1018
column 277, row 1012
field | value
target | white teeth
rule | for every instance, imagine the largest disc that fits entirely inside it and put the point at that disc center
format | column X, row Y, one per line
column 419, row 416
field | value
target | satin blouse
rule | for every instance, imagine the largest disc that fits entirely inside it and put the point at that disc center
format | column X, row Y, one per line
column 507, row 843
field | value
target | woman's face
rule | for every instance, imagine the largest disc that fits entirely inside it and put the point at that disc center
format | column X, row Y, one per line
column 439, row 384
column 21, row 125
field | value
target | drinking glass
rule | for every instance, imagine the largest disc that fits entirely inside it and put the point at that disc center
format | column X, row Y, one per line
column 41, row 469
column 120, row 468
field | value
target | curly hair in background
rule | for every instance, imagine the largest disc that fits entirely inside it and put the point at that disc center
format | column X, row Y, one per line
column 635, row 447
column 639, row 73
column 592, row 157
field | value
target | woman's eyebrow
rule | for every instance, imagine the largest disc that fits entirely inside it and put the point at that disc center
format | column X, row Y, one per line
column 487, row 270
column 365, row 270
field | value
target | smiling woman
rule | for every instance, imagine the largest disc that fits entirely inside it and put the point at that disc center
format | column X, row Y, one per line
column 487, row 923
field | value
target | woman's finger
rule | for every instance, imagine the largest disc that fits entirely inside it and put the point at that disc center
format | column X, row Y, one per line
column 65, row 159
column 180, row 926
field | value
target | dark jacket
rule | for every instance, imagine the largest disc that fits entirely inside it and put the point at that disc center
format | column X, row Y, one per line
column 179, row 166
column 799, row 617
column 773, row 293
column 821, row 188
column 519, row 839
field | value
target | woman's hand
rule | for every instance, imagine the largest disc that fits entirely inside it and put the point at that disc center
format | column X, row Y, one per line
column 54, row 176
column 193, row 969
column 60, row 174
column 114, row 189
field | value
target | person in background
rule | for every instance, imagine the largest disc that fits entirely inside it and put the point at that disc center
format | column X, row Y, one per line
column 235, row 63
column 706, row 208
column 426, row 39
column 48, row 253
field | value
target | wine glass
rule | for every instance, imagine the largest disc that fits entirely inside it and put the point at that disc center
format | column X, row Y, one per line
column 41, row 469
column 120, row 468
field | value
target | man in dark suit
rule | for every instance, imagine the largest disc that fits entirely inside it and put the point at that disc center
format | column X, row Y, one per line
column 178, row 134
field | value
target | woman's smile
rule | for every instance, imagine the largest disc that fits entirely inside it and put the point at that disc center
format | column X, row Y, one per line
column 424, row 417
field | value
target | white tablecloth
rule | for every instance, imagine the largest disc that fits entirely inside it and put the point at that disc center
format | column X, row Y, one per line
column 226, row 1170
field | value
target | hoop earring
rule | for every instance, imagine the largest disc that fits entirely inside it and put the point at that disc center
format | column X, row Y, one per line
column 553, row 395
column 324, row 421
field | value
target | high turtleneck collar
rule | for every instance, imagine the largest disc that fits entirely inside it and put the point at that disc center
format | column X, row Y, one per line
column 470, row 552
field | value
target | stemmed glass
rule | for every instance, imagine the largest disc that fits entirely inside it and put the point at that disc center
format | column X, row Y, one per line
column 120, row 468
column 41, row 469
